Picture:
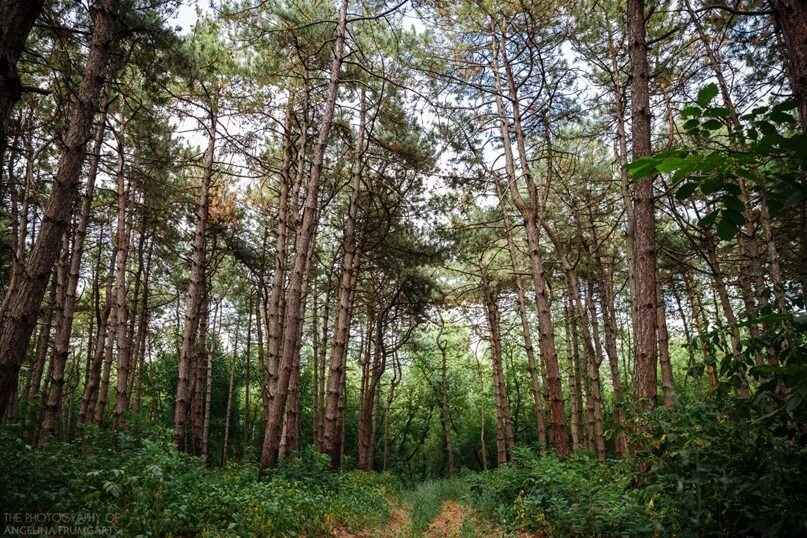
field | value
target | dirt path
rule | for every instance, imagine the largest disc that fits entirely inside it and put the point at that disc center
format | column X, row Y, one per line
column 454, row 521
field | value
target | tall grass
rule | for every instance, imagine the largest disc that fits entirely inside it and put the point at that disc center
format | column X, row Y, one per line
column 425, row 500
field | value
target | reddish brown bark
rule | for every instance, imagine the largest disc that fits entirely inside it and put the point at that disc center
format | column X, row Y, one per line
column 645, row 377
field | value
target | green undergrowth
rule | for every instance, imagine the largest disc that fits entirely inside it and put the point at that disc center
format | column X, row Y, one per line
column 141, row 486
column 574, row 497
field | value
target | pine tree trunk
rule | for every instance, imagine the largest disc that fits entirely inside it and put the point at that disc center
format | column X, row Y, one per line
column 196, row 287
column 645, row 377
column 575, row 388
column 341, row 334
column 228, row 411
column 209, row 386
column 62, row 339
column 247, row 379
column 18, row 320
column 142, row 331
column 535, row 386
column 41, row 355
column 667, row 380
column 446, row 410
column 119, row 293
column 530, row 212
column 90, row 393
column 199, row 372
column 396, row 378
column 504, row 439
column 606, row 286
column 109, row 342
column 53, row 402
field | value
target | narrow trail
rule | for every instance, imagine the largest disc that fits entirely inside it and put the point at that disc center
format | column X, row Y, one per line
column 454, row 520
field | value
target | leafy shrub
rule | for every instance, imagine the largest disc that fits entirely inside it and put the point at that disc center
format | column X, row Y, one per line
column 149, row 489
column 729, row 465
column 576, row 497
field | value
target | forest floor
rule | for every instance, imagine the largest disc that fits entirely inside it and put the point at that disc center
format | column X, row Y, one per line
column 454, row 520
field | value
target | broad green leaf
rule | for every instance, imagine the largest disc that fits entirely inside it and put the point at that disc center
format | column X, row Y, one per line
column 784, row 106
column 706, row 94
column 717, row 111
column 733, row 203
column 686, row 190
column 669, row 164
column 726, row 230
column 691, row 111
column 781, row 117
column 712, row 125
column 642, row 167
column 736, row 218
column 708, row 220
column 691, row 124
column 712, row 185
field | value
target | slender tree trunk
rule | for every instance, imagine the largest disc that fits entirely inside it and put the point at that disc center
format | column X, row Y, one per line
column 247, row 378
column 575, row 387
column 90, row 393
column 109, row 342
column 667, row 381
column 341, row 329
column 62, row 339
column 142, row 330
column 195, row 288
column 446, row 410
column 198, row 403
column 209, row 385
column 228, row 412
column 645, row 384
column 695, row 304
column 526, row 330
column 275, row 308
column 121, row 314
column 41, row 355
column 504, row 440
column 396, row 378
column 530, row 213
column 56, row 370
column 609, row 321
column 687, row 334
column 290, row 435
column 18, row 320
column 306, row 232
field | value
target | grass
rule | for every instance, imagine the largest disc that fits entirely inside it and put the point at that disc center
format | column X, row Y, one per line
column 425, row 501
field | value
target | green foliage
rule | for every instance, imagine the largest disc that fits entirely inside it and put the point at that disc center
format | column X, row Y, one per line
column 729, row 465
column 149, row 489
column 760, row 150
column 576, row 497
column 712, row 473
